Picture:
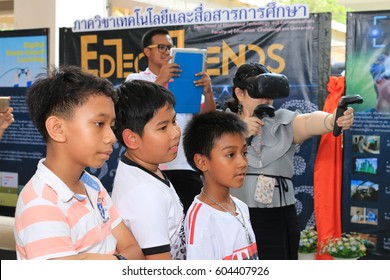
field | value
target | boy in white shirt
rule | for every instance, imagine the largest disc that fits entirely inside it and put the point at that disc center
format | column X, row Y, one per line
column 217, row 224
column 145, row 198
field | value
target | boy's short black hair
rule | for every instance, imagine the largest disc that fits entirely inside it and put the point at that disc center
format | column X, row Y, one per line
column 138, row 102
column 147, row 37
column 61, row 91
column 203, row 130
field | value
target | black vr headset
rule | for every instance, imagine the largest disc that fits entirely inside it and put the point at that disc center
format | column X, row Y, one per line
column 266, row 85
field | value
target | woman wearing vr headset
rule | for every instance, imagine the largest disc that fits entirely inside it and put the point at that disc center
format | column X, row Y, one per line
column 268, row 188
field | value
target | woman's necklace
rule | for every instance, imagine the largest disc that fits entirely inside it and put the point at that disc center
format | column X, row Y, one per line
column 248, row 236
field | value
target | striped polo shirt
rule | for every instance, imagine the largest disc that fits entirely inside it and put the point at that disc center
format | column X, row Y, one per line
column 51, row 221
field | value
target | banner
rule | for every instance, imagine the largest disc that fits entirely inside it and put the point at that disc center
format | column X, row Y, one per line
column 24, row 56
column 199, row 15
column 366, row 191
column 298, row 48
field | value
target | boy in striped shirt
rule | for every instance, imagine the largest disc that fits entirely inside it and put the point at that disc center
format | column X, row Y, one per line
column 63, row 212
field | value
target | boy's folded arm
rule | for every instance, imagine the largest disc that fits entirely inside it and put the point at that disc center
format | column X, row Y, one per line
column 161, row 256
column 127, row 244
column 88, row 256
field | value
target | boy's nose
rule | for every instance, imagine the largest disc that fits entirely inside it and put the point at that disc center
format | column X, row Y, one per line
column 110, row 137
column 176, row 131
column 243, row 162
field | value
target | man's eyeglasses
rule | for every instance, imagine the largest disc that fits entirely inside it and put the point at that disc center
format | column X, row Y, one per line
column 161, row 47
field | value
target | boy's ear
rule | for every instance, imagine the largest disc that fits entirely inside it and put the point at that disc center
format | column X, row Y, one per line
column 147, row 52
column 200, row 162
column 54, row 126
column 130, row 138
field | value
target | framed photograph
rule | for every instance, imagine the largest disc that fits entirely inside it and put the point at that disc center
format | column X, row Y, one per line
column 366, row 144
column 364, row 190
column 366, row 165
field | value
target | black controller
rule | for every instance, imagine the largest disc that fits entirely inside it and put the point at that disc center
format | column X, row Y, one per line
column 262, row 111
column 343, row 105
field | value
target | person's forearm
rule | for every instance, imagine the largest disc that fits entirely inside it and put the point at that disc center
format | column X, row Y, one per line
column 209, row 102
column 133, row 252
column 162, row 81
column 308, row 125
column 88, row 256
column 319, row 123
column 1, row 133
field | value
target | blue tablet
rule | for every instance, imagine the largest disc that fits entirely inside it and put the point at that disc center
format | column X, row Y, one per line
column 188, row 96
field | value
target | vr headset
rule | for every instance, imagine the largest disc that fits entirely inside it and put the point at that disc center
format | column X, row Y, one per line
column 267, row 85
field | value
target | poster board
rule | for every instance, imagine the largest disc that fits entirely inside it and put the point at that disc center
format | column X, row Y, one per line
column 366, row 169
column 24, row 57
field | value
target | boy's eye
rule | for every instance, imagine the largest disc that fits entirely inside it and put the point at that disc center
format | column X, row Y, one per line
column 113, row 125
column 230, row 155
column 99, row 124
column 163, row 128
column 245, row 154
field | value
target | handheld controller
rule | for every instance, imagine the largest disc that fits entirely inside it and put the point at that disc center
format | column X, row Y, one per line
column 262, row 111
column 342, row 107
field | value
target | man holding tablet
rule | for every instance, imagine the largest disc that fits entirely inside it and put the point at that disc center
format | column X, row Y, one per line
column 156, row 45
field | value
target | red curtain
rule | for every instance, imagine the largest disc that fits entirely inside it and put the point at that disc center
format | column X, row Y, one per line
column 327, row 174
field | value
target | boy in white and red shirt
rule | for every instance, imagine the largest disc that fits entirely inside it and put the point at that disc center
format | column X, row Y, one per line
column 217, row 224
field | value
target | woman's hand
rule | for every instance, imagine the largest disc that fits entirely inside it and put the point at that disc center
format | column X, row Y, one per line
column 346, row 120
column 253, row 124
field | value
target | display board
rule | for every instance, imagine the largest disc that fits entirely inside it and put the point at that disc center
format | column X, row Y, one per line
column 24, row 56
column 366, row 170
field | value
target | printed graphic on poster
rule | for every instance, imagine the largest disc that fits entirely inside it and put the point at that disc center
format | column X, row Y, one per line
column 366, row 170
column 291, row 47
column 24, row 56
